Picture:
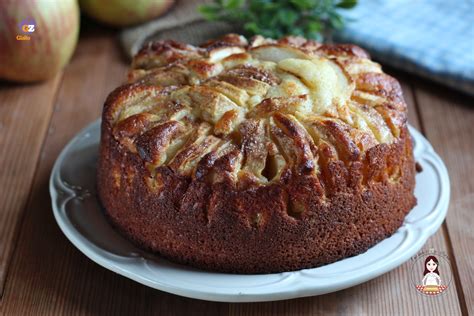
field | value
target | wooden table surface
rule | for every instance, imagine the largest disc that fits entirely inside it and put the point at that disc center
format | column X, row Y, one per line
column 41, row 272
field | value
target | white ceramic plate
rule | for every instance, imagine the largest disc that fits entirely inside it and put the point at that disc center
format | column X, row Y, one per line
column 79, row 215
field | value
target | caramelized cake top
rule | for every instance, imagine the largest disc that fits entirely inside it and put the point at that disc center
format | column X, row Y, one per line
column 248, row 111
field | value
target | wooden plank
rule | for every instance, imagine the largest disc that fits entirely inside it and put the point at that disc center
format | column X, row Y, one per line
column 25, row 111
column 390, row 294
column 48, row 275
column 448, row 121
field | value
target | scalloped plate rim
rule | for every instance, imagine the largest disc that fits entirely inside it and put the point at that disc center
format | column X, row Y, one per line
column 297, row 288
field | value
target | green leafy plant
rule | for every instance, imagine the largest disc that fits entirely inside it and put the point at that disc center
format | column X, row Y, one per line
column 315, row 19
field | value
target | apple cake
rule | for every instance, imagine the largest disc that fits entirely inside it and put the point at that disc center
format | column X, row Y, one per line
column 256, row 156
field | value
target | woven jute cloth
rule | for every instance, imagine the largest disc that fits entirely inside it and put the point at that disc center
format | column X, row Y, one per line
column 182, row 23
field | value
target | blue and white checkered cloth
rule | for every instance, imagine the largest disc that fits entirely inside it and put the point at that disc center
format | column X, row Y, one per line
column 431, row 38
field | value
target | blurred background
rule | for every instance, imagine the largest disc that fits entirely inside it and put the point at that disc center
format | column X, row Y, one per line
column 59, row 59
column 433, row 39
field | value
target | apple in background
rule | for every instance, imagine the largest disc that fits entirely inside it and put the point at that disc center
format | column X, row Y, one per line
column 37, row 38
column 124, row 12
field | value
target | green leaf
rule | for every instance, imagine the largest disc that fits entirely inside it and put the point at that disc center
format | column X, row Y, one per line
column 314, row 36
column 336, row 21
column 287, row 17
column 239, row 15
column 261, row 5
column 304, row 4
column 297, row 31
column 347, row 4
column 272, row 33
column 209, row 11
column 314, row 27
column 233, row 4
column 252, row 28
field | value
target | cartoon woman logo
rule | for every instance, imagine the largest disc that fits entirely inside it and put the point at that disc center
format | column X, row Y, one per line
column 431, row 283
column 431, row 274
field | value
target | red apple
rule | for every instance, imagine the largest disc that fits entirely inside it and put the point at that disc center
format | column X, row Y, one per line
column 124, row 12
column 37, row 38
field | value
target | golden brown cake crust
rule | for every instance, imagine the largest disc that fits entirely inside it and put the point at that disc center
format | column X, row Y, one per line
column 280, row 180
